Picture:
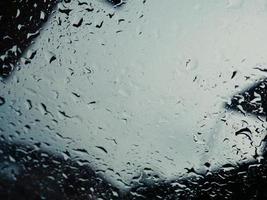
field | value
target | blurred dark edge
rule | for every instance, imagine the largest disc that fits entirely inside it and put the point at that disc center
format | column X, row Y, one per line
column 28, row 173
column 244, row 102
column 13, row 40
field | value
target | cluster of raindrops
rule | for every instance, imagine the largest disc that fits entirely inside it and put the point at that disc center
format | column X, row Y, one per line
column 96, row 105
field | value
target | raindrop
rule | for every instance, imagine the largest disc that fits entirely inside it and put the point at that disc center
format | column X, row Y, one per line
column 83, row 151
column 64, row 114
column 78, row 23
column 29, row 104
column 261, row 69
column 76, row 94
column 102, row 148
column 117, row 3
column 99, row 25
column 246, row 132
column 65, row 11
column 2, row 101
column 50, row 57
column 233, row 74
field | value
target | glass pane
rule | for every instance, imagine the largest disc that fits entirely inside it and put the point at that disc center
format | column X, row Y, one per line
column 140, row 92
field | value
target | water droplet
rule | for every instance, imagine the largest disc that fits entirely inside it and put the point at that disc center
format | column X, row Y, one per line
column 2, row 101
column 50, row 57
column 102, row 149
column 78, row 23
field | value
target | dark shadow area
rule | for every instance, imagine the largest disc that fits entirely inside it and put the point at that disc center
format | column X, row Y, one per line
column 20, row 23
column 248, row 181
column 252, row 100
column 27, row 173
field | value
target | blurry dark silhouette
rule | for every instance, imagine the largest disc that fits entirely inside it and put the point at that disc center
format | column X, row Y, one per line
column 20, row 23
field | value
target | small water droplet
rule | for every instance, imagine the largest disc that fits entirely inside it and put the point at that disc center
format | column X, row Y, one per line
column 2, row 101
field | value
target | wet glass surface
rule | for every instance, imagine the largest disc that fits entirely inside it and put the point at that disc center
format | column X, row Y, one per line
column 133, row 99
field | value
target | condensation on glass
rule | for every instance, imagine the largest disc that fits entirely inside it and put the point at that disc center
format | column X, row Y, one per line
column 143, row 91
